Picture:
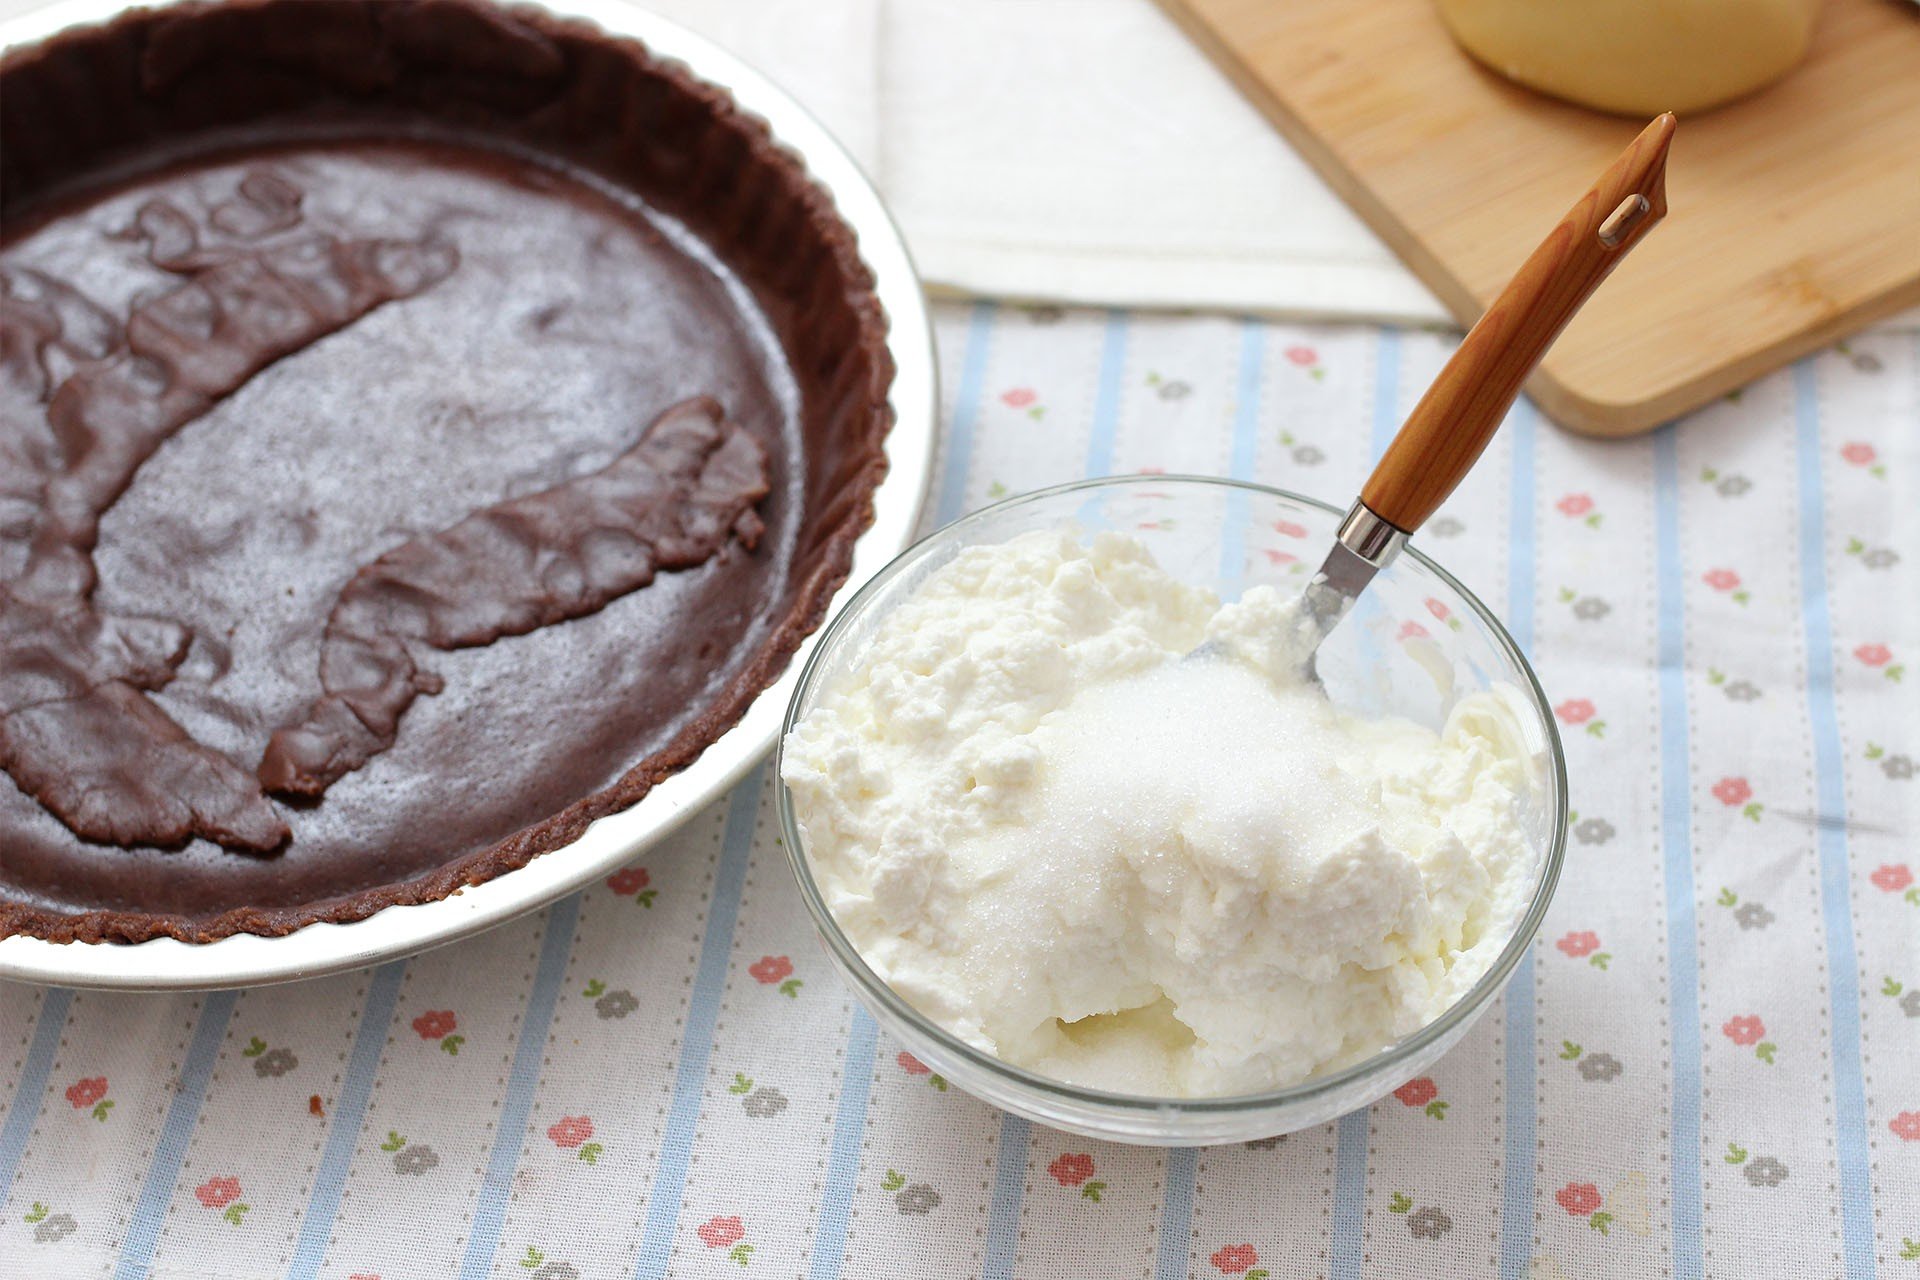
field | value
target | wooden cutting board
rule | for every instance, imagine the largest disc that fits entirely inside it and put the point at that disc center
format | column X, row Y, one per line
column 1795, row 214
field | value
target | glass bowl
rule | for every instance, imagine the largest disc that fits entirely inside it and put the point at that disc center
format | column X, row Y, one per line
column 1414, row 644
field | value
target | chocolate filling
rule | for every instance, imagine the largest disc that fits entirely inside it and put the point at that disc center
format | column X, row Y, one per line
column 335, row 334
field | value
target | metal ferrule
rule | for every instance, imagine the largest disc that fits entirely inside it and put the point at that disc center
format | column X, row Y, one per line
column 1370, row 537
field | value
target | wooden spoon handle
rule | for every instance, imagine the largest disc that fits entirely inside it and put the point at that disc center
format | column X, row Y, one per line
column 1461, row 410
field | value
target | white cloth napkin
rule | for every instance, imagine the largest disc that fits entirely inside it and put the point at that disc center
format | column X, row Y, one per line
column 1071, row 150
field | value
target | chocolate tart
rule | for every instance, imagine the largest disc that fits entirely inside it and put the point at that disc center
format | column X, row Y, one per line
column 424, row 428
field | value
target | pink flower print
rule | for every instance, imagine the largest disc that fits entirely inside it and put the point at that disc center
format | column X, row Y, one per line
column 1302, row 356
column 1417, row 1092
column 1579, row 944
column 434, row 1023
column 1732, row 791
column 912, row 1065
column 570, row 1131
column 1874, row 655
column 218, row 1193
column 768, row 970
column 1411, row 630
column 1859, row 453
column 1574, row 504
column 1071, row 1170
column 1438, row 610
column 1744, row 1030
column 1578, row 1198
column 628, row 881
column 1234, row 1259
column 1275, row 556
column 718, row 1233
column 1019, row 397
column 84, row 1093
column 1290, row 529
column 1906, row 1126
column 1892, row 878
column 1575, row 710
column 1721, row 579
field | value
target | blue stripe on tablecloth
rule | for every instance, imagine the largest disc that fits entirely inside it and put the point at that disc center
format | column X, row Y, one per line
column 1176, row 1215
column 1009, row 1189
column 1106, row 398
column 843, row 1156
column 1349, row 1194
column 1176, row 1210
column 1676, row 842
column 696, row 1038
column 349, row 1111
column 1516, row 1195
column 1350, row 1143
column 966, row 413
column 1386, row 392
column 510, row 1135
column 32, row 1089
column 1849, row 1088
column 170, row 1150
column 1244, row 448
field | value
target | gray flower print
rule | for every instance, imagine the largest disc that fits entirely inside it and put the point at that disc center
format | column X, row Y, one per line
column 1268, row 1144
column 1765, row 1172
column 1446, row 527
column 1593, row 831
column 615, row 1004
column 56, row 1228
column 1308, row 456
column 1867, row 362
column 1591, row 608
column 275, row 1062
column 1898, row 768
column 918, row 1198
column 1910, row 1003
column 557, row 1271
column 1175, row 389
column 1429, row 1223
column 1752, row 915
column 1732, row 486
column 764, row 1103
column 415, row 1160
column 1741, row 690
column 1880, row 558
column 1600, row 1067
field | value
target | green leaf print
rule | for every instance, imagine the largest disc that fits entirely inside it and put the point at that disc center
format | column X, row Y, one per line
column 1765, row 1051
column 36, row 1213
column 1888, row 987
column 1600, row 1221
column 595, row 989
column 740, row 1253
column 1399, row 1202
column 591, row 1152
column 1569, row 1050
column 791, row 988
column 1736, row 1154
column 742, row 1083
column 394, row 1141
column 452, row 1044
column 1092, row 1191
column 235, row 1212
column 1727, row 897
column 532, row 1258
column 255, row 1047
column 893, row 1181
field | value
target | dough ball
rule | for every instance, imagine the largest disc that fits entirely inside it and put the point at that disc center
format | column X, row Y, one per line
column 1636, row 57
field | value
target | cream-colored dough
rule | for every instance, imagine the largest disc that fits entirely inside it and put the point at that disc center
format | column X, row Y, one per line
column 1636, row 57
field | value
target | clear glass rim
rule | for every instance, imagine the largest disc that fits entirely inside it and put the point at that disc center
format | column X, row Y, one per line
column 875, row 987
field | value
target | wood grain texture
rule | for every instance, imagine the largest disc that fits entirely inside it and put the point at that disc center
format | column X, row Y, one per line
column 1466, row 403
column 1795, row 210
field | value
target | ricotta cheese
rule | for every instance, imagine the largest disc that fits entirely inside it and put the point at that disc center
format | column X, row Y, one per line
column 1076, row 847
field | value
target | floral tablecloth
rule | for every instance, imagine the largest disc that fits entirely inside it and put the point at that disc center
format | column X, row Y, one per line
column 1709, row 1065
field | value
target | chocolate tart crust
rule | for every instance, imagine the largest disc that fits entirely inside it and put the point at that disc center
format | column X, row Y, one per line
column 624, row 238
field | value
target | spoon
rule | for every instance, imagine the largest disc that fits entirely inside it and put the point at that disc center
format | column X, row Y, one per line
column 1448, row 429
